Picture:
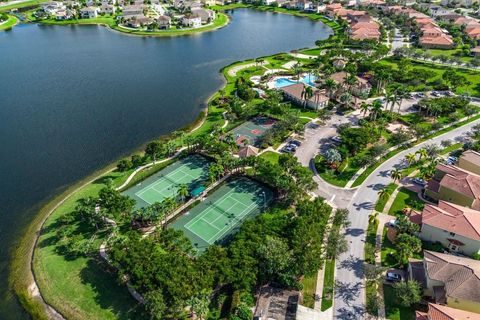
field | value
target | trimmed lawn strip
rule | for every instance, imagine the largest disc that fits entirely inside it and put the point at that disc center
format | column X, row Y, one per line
column 7, row 25
column 371, row 291
column 309, row 284
column 328, row 280
column 382, row 201
column 405, row 198
column 371, row 240
column 393, row 310
column 25, row 4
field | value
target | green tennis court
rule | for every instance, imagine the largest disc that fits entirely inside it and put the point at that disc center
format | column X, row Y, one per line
column 250, row 132
column 223, row 212
column 192, row 171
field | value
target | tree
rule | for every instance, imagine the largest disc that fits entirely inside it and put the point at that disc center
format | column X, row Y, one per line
column 364, row 107
column 330, row 86
column 155, row 304
column 408, row 292
column 123, row 165
column 275, row 261
column 396, row 175
column 199, row 304
column 423, row 154
column 376, row 108
column 406, row 246
column 383, row 193
column 182, row 191
column 153, row 150
column 411, row 158
column 333, row 156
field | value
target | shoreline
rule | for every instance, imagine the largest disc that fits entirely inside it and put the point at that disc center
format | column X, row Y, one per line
column 21, row 272
column 142, row 33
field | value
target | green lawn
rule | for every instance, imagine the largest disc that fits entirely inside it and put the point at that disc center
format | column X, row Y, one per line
column 405, row 198
column 449, row 53
column 388, row 252
column 371, row 241
column 338, row 177
column 271, row 156
column 7, row 25
column 393, row 310
column 25, row 4
column 79, row 288
column 382, row 201
column 436, row 72
column 328, row 281
column 309, row 285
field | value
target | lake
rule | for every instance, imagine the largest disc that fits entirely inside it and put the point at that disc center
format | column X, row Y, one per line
column 76, row 98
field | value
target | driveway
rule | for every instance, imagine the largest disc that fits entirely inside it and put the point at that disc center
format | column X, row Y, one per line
column 317, row 138
column 350, row 292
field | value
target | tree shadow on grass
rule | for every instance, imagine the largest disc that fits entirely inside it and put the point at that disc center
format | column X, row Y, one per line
column 109, row 293
column 104, row 179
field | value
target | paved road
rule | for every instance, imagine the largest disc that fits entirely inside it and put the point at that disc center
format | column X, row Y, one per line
column 317, row 139
column 349, row 292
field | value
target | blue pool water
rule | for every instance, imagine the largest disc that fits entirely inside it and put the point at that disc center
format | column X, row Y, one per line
column 283, row 82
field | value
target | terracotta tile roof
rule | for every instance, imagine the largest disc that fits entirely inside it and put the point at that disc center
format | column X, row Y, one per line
column 334, row 6
column 467, row 184
column 296, row 90
column 418, row 271
column 473, row 33
column 436, row 40
column 471, row 155
column 460, row 276
column 247, row 151
column 439, row 312
column 476, row 50
column 453, row 218
column 420, row 315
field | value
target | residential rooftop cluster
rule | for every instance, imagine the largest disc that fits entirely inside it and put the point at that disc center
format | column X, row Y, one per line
column 135, row 14
column 450, row 281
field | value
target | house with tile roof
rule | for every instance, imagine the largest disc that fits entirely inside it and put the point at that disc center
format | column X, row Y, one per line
column 296, row 94
column 361, row 88
column 448, row 279
column 455, row 185
column 470, row 161
column 455, row 227
column 439, row 312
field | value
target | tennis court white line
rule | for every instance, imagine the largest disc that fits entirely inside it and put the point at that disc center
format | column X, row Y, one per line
column 210, row 224
column 239, row 219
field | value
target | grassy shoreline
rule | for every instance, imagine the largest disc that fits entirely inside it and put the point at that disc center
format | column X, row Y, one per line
column 220, row 21
column 9, row 24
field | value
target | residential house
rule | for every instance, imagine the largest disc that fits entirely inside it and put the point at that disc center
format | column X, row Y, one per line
column 132, row 10
column 89, row 12
column 248, row 151
column 52, row 7
column 470, row 161
column 192, row 21
column 206, row 15
column 458, row 3
column 63, row 14
column 268, row 2
column 475, row 51
column 448, row 279
column 456, row 184
column 159, row 9
column 455, row 227
column 139, row 21
column 439, row 312
column 332, row 9
column 303, row 5
column 361, row 88
column 296, row 94
column 107, row 9
column 442, row 41
column 164, row 22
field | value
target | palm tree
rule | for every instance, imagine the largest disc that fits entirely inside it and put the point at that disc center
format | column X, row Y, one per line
column 396, row 175
column 411, row 158
column 297, row 70
column 422, row 153
column 376, row 107
column 364, row 107
column 330, row 85
column 182, row 191
column 307, row 93
column 374, row 216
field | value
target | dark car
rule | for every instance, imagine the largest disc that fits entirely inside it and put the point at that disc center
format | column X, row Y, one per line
column 393, row 277
column 296, row 143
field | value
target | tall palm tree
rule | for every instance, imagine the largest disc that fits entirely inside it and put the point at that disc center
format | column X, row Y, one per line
column 364, row 107
column 374, row 216
column 411, row 158
column 375, row 108
column 396, row 175
column 330, row 85
column 182, row 191
column 423, row 154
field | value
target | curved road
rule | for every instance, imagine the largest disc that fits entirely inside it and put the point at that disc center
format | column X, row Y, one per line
column 349, row 291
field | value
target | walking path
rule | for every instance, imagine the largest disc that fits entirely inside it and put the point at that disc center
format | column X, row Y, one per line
column 303, row 56
column 232, row 72
column 391, row 199
column 382, row 221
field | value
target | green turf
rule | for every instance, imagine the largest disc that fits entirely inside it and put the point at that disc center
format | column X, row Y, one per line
column 393, row 310
column 223, row 211
column 270, row 156
column 9, row 23
column 191, row 171
column 309, row 286
column 405, row 198
column 328, row 284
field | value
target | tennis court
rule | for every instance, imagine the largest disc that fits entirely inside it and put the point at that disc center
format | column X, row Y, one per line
column 250, row 132
column 192, row 171
column 222, row 213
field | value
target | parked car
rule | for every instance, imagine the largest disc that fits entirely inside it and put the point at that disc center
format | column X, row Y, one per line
column 392, row 223
column 393, row 277
column 337, row 139
column 452, row 160
column 295, row 143
column 420, row 182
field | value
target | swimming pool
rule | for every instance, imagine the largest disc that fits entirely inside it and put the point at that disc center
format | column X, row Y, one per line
column 308, row 79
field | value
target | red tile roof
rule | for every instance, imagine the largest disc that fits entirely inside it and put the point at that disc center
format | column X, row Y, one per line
column 439, row 312
column 453, row 218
